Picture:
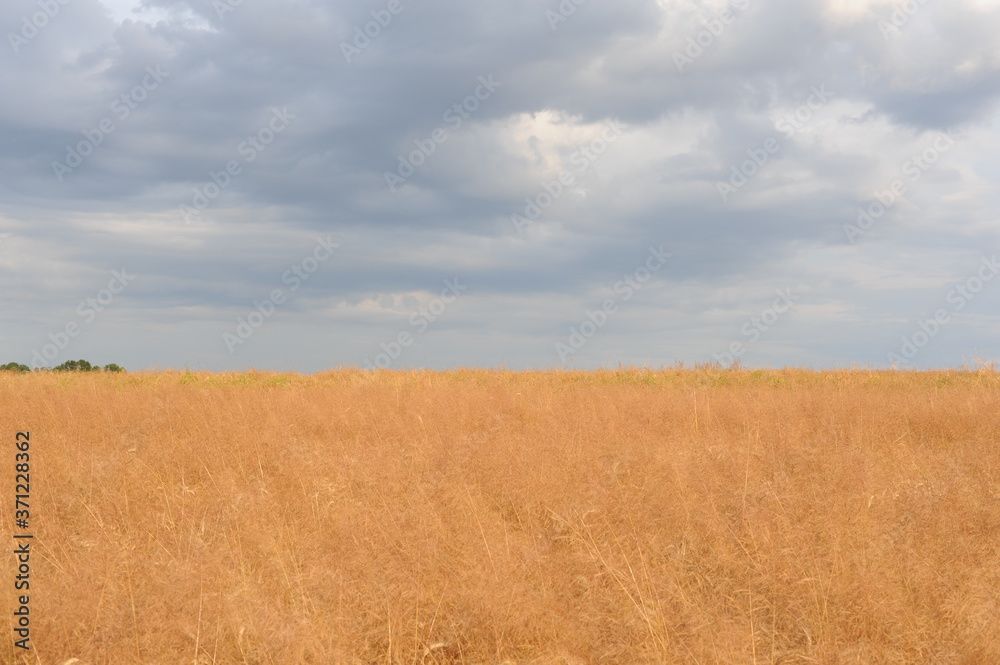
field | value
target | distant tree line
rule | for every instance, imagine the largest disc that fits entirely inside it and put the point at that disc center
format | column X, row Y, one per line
column 68, row 366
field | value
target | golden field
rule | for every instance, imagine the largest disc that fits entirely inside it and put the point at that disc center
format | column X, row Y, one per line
column 700, row 516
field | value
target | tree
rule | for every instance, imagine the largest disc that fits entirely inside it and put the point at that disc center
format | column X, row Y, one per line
column 68, row 366
column 76, row 366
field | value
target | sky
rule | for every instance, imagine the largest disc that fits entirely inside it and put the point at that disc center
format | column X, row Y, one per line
column 301, row 185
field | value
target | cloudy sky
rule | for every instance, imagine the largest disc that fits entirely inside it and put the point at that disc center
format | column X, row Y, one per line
column 307, row 184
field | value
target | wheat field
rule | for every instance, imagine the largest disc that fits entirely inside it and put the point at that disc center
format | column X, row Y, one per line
column 700, row 516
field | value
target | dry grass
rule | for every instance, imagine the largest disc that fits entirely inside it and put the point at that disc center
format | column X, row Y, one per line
column 677, row 516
